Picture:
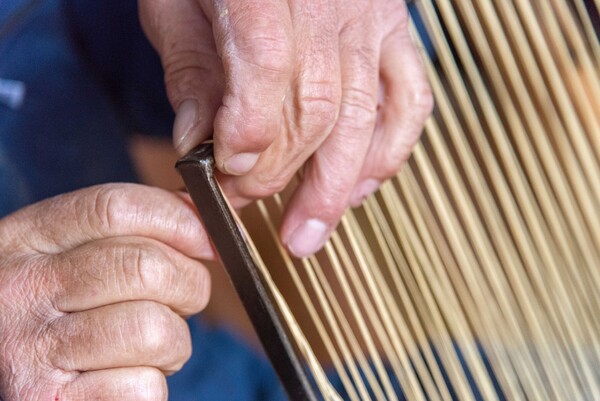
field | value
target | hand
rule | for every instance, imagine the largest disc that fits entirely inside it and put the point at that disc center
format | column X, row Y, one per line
column 93, row 285
column 335, row 84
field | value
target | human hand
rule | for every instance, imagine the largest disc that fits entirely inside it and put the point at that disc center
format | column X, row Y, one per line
column 93, row 285
column 335, row 85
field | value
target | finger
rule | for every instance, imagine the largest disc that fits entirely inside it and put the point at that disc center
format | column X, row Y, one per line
column 67, row 221
column 407, row 102
column 128, row 334
column 183, row 37
column 254, row 41
column 331, row 173
column 311, row 109
column 131, row 384
column 122, row 269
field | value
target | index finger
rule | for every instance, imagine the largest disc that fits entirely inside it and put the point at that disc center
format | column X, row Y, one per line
column 70, row 220
column 254, row 40
column 125, row 269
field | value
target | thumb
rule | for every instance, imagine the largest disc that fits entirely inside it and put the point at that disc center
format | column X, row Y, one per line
column 183, row 37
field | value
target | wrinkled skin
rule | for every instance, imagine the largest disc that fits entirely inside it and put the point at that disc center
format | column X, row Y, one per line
column 94, row 284
column 333, row 83
column 93, row 288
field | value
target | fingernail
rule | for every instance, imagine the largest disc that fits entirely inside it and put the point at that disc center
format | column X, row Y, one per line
column 362, row 190
column 185, row 119
column 308, row 238
column 241, row 163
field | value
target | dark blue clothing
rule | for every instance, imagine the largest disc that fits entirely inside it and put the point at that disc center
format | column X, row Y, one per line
column 223, row 368
column 66, row 135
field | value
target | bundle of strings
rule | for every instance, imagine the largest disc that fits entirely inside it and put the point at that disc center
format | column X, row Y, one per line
column 475, row 273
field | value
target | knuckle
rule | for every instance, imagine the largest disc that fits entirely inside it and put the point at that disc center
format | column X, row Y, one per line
column 270, row 54
column 318, row 107
column 365, row 61
column 149, row 268
column 154, row 326
column 162, row 336
column 107, row 207
column 265, row 45
column 146, row 267
column 359, row 108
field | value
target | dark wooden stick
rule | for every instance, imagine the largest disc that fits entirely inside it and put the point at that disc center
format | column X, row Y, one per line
column 197, row 170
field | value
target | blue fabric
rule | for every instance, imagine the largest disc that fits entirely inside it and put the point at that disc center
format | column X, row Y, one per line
column 223, row 368
column 66, row 134
column 108, row 37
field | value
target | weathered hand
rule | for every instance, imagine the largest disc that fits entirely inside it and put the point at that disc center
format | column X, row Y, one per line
column 335, row 84
column 93, row 285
